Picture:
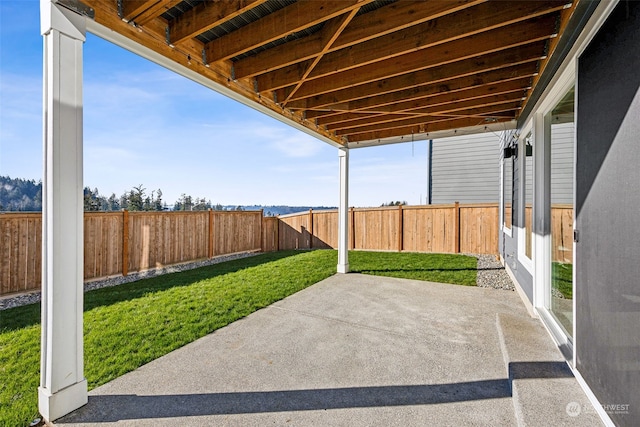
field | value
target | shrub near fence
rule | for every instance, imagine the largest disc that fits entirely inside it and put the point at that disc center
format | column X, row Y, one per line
column 117, row 243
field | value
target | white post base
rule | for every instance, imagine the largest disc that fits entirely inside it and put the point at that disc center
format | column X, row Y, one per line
column 60, row 403
column 343, row 268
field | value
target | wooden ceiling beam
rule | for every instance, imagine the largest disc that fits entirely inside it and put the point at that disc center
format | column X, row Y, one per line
column 462, row 84
column 423, row 122
column 205, row 16
column 293, row 18
column 382, row 21
column 509, row 98
column 469, row 47
column 106, row 14
column 423, row 131
column 476, row 94
column 480, row 113
column 155, row 9
column 465, row 23
column 133, row 8
column 331, row 31
column 429, row 77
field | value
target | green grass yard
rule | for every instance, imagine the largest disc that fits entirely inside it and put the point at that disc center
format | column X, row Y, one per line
column 129, row 325
column 562, row 278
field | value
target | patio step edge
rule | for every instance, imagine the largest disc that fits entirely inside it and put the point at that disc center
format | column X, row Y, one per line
column 543, row 388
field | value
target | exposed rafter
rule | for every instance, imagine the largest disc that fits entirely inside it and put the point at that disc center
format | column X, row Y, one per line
column 479, row 44
column 448, row 28
column 207, row 15
column 383, row 21
column 298, row 16
column 144, row 11
column 435, row 114
column 455, row 89
column 440, row 74
column 357, row 70
column 331, row 31
column 515, row 89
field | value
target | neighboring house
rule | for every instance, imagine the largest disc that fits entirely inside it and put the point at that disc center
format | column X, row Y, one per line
column 465, row 169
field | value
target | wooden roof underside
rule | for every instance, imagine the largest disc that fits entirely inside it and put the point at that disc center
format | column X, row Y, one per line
column 358, row 71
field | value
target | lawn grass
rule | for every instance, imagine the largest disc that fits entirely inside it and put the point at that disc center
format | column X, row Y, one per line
column 129, row 325
column 562, row 278
column 443, row 268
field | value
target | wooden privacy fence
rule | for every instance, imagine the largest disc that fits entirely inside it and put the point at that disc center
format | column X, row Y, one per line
column 118, row 243
column 454, row 228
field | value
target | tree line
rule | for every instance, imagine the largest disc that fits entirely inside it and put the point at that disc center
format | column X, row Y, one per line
column 17, row 194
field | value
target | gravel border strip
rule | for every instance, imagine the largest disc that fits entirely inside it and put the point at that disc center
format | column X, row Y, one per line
column 33, row 297
column 491, row 274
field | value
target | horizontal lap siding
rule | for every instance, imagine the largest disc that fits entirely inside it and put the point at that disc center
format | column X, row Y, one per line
column 466, row 169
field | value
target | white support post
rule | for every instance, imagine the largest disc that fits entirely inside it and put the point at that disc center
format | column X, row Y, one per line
column 63, row 387
column 343, row 212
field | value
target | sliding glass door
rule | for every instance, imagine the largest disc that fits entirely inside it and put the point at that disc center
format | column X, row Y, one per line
column 562, row 142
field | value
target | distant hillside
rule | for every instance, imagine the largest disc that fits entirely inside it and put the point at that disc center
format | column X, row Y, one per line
column 18, row 194
column 280, row 209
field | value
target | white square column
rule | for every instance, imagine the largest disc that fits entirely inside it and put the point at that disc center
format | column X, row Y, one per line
column 63, row 387
column 343, row 212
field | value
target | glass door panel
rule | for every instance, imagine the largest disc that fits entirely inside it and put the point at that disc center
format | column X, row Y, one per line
column 562, row 203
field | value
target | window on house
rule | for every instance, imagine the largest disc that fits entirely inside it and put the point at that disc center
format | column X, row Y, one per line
column 528, row 194
column 507, row 201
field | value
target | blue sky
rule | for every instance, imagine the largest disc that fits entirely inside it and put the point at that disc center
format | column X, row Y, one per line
column 146, row 125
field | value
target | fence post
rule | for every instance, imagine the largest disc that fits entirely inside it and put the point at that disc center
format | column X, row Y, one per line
column 277, row 233
column 400, row 229
column 456, row 227
column 125, row 242
column 310, row 228
column 352, row 232
column 210, row 242
column 261, row 230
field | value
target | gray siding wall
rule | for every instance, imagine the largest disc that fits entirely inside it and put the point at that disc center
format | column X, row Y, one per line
column 562, row 137
column 466, row 169
column 509, row 244
column 608, row 207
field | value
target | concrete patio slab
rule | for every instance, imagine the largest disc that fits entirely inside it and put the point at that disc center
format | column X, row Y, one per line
column 356, row 350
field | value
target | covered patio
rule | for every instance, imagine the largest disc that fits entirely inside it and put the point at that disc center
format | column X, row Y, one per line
column 355, row 74
column 358, row 350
